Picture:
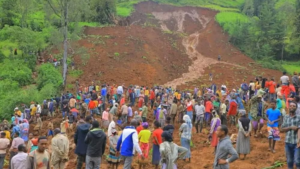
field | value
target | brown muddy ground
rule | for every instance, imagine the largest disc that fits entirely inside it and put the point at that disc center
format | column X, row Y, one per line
column 174, row 46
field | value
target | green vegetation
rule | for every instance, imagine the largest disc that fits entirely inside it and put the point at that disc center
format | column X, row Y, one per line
column 48, row 74
column 291, row 67
column 277, row 164
column 76, row 73
column 125, row 8
column 228, row 20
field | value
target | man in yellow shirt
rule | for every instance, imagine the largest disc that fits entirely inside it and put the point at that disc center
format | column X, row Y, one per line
column 147, row 93
column 18, row 112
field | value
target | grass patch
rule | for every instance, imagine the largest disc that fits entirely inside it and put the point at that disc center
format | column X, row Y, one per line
column 292, row 67
column 76, row 73
column 124, row 9
column 228, row 20
column 70, row 86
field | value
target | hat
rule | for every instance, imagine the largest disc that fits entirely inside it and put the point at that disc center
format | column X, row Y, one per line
column 16, row 109
column 145, row 124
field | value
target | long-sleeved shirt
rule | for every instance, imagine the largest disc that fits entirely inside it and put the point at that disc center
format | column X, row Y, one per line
column 19, row 161
column 232, row 108
column 170, row 152
column 225, row 148
column 129, row 142
column 60, row 148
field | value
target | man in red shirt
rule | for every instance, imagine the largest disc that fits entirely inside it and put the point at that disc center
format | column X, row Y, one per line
column 232, row 111
column 208, row 109
column 271, row 85
column 157, row 140
column 189, row 108
column 152, row 97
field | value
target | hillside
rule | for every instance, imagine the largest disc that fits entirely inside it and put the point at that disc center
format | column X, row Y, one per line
column 174, row 46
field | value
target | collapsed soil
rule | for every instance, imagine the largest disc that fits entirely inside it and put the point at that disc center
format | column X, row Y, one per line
column 174, row 46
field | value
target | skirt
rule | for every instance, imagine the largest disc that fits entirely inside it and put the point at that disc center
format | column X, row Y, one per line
column 214, row 139
column 112, row 158
column 186, row 143
column 243, row 144
column 155, row 154
column 145, row 149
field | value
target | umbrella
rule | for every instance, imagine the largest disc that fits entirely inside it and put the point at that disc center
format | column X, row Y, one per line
column 74, row 110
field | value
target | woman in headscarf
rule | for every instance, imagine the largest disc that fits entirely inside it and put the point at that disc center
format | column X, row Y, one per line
column 170, row 151
column 215, row 123
column 186, row 135
column 24, row 127
column 113, row 159
column 243, row 140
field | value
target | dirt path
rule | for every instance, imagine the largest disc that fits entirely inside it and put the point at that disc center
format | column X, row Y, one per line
column 190, row 43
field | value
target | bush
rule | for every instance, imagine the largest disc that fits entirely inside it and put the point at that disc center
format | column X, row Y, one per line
column 48, row 74
column 15, row 70
column 14, row 98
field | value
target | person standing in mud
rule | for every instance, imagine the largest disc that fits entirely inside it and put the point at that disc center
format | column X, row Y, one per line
column 81, row 146
column 224, row 149
column 290, row 126
column 273, row 115
column 257, row 113
column 60, row 150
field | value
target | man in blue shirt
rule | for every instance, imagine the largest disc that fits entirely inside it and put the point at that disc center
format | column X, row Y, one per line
column 103, row 95
column 273, row 115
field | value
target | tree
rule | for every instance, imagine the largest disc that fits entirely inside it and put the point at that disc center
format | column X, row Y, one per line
column 60, row 9
column 105, row 10
column 8, row 12
column 48, row 74
column 15, row 70
column 297, row 25
column 248, row 8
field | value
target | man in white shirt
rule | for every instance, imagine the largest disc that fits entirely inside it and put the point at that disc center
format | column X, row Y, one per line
column 4, row 143
column 251, row 89
column 111, row 126
column 200, row 110
column 19, row 160
column 120, row 92
column 223, row 113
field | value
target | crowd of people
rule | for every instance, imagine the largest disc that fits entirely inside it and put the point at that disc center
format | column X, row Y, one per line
column 140, row 118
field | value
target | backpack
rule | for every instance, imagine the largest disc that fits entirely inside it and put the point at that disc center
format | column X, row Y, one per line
column 245, row 87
